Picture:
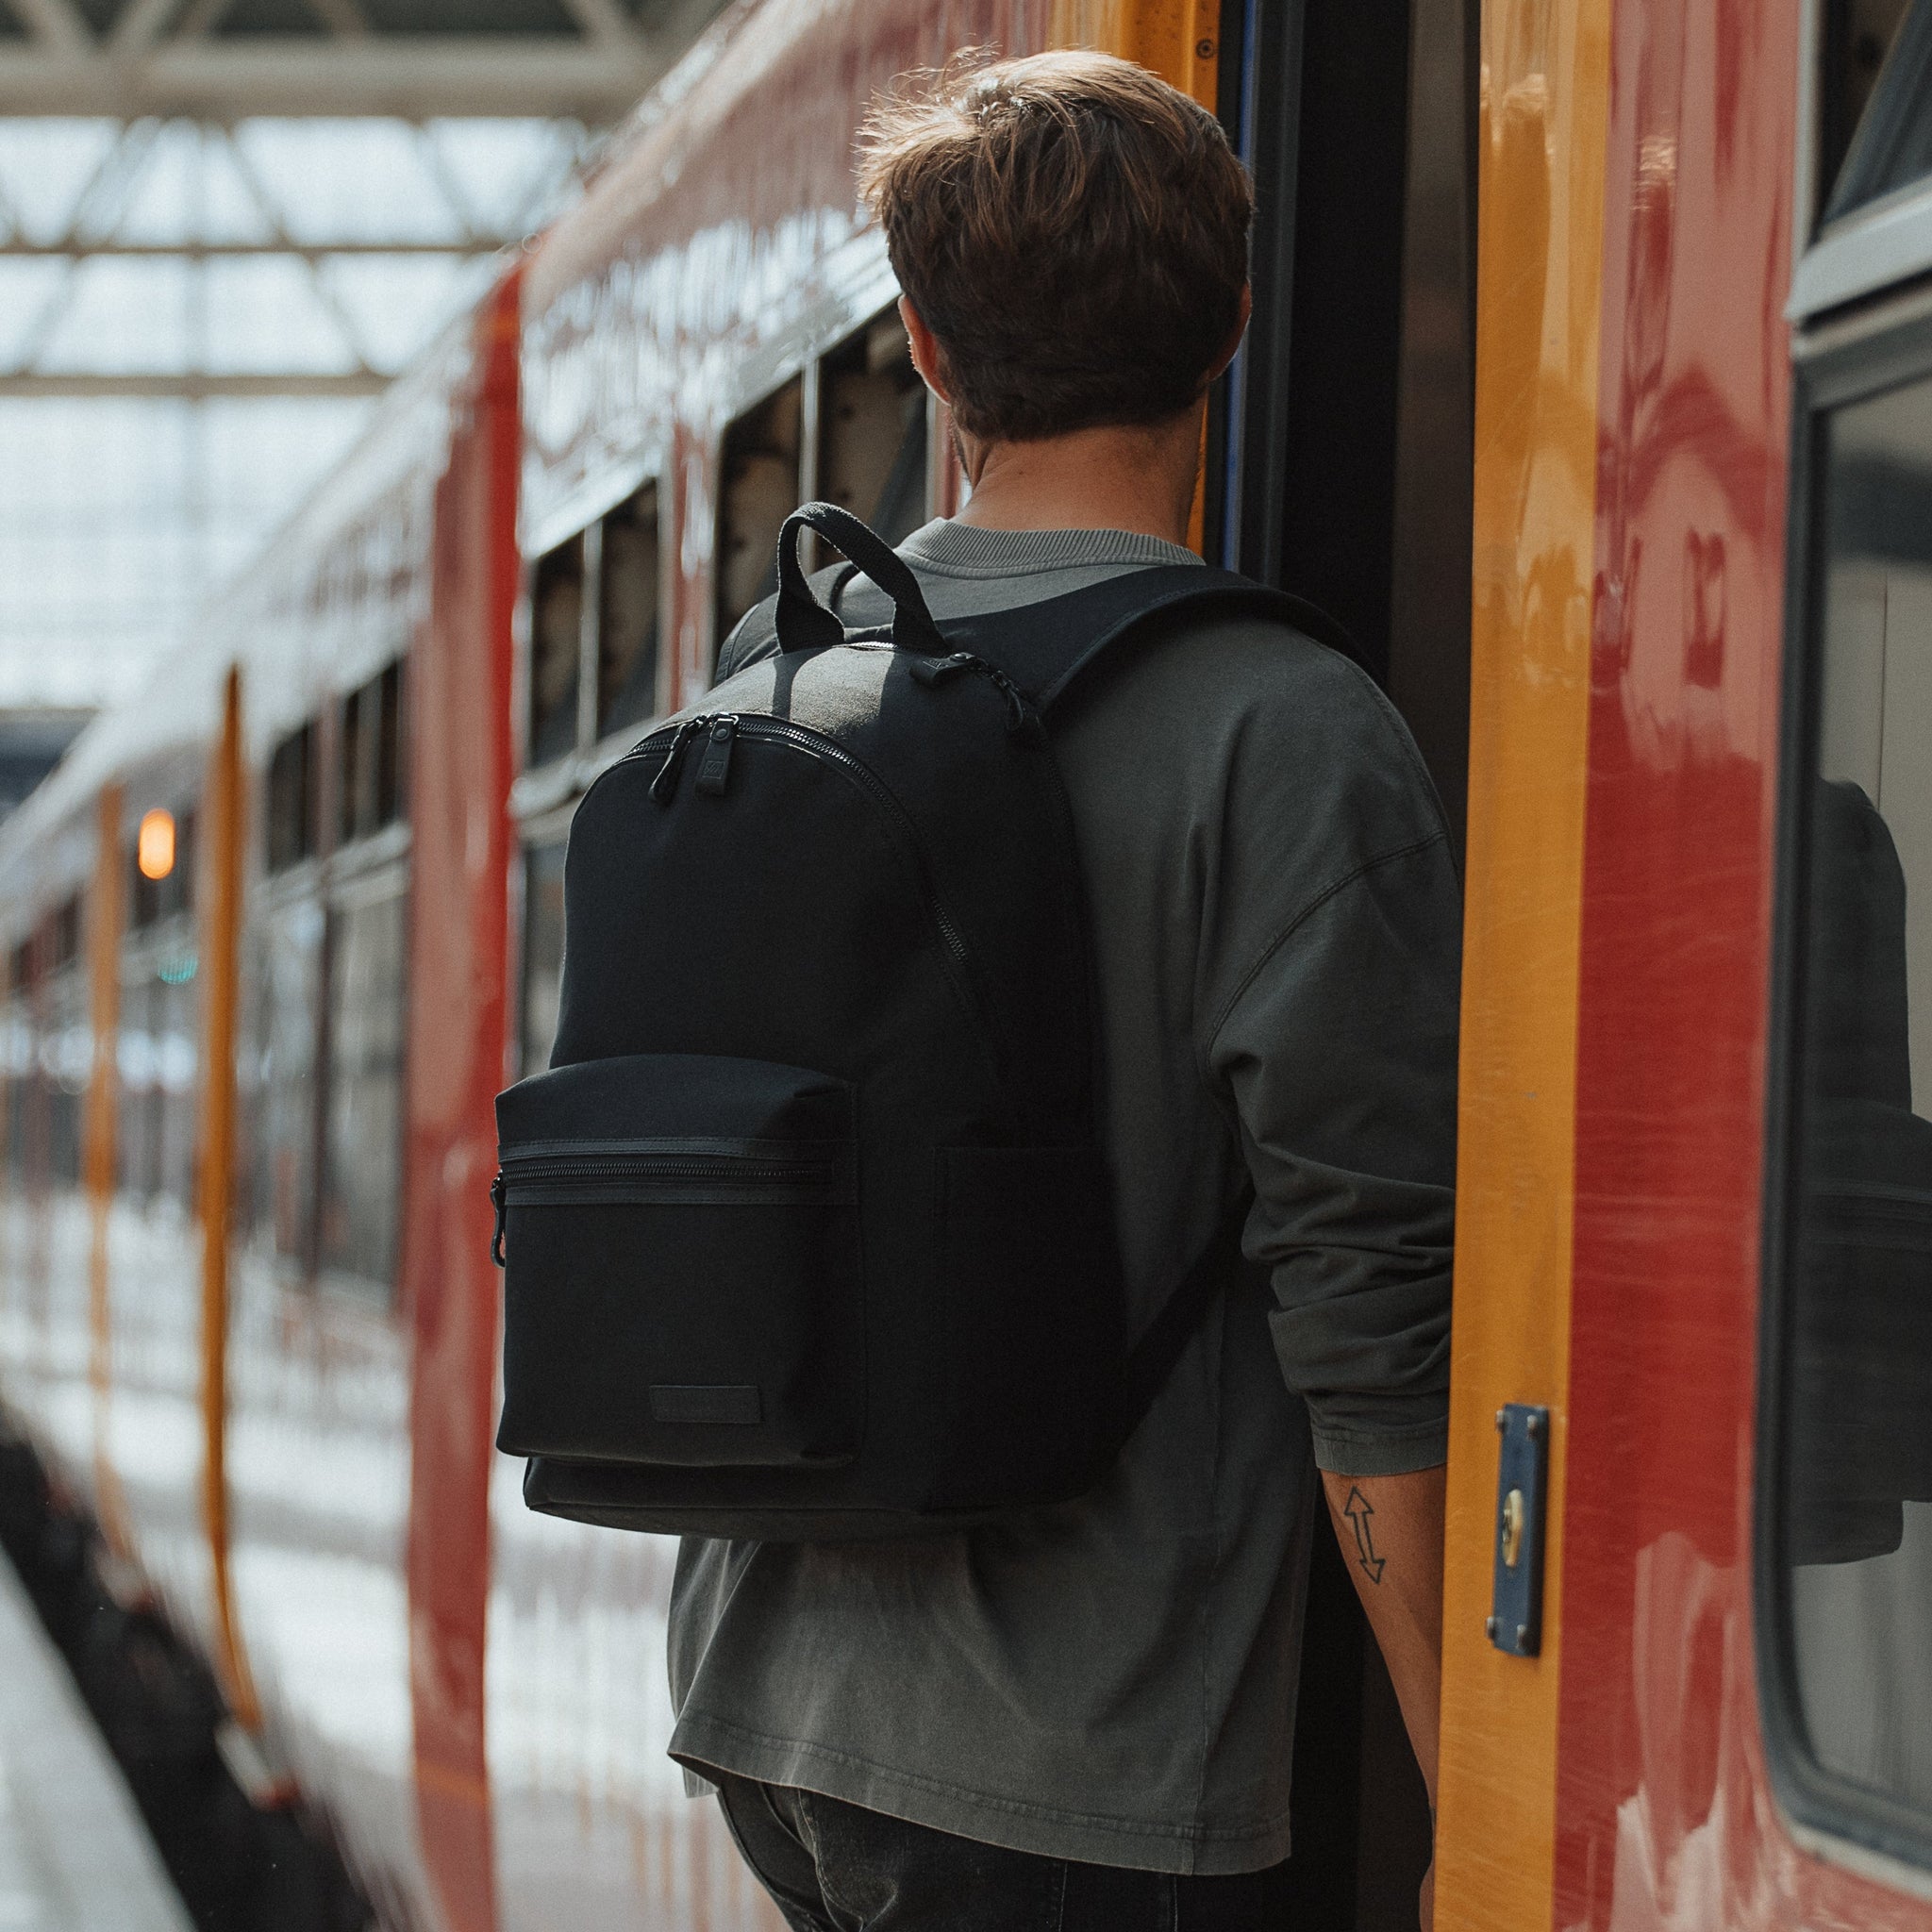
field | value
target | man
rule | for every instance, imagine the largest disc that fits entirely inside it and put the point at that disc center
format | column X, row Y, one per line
column 1084, row 1718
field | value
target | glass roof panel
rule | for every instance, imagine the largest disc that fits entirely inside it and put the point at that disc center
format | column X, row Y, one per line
column 119, row 513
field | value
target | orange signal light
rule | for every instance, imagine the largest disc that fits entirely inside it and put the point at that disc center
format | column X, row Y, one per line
column 153, row 850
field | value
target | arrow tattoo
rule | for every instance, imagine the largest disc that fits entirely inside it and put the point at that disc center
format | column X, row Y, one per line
column 1357, row 1509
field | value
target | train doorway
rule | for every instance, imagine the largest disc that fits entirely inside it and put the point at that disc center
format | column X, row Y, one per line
column 1341, row 445
column 1340, row 467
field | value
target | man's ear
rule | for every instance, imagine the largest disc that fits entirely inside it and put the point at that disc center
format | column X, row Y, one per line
column 925, row 350
column 1234, row 336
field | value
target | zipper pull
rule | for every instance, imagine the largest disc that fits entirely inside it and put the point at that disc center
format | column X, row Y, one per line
column 934, row 671
column 664, row 786
column 499, row 1194
column 714, row 768
column 1020, row 712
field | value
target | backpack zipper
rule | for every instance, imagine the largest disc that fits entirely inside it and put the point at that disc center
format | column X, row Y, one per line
column 816, row 744
column 564, row 1174
column 619, row 1171
column 664, row 786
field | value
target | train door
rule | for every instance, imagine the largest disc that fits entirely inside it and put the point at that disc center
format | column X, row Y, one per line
column 1339, row 468
column 1697, row 1177
column 1340, row 445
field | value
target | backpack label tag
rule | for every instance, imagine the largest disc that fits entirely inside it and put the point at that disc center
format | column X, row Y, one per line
column 721, row 1402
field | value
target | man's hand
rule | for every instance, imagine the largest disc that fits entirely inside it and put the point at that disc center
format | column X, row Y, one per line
column 1390, row 1532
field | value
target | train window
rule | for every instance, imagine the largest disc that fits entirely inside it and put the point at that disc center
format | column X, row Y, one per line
column 179, row 894
column 760, row 489
column 542, row 952
column 17, row 1065
column 174, row 1031
column 180, row 897
column 363, row 1150
column 1873, row 133
column 557, row 649
column 283, row 1154
column 392, row 685
column 371, row 755
column 1852, row 1439
column 66, row 945
column 66, row 1057
column 872, row 430
column 141, row 1090
column 627, row 584
column 352, row 791
column 292, row 800
column 63, row 1050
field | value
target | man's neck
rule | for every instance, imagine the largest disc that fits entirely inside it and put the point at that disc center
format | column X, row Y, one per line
column 1139, row 479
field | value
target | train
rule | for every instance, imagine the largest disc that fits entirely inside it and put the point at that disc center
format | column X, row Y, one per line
column 1590, row 389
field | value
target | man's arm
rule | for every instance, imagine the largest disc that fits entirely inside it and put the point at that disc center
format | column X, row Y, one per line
column 1391, row 1531
column 1340, row 1053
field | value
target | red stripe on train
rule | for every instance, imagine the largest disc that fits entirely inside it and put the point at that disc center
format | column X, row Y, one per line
column 459, row 699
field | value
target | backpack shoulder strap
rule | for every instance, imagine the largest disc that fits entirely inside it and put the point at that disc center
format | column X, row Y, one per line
column 1050, row 647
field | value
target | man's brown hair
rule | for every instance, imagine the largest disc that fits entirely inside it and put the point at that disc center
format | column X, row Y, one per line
column 1073, row 230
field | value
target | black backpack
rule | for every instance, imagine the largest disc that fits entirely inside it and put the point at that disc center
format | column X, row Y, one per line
column 807, row 1231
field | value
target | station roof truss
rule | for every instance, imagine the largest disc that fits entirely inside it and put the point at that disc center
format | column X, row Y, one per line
column 238, row 231
column 224, row 60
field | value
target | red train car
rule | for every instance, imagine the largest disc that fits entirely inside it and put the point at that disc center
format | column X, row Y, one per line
column 1589, row 387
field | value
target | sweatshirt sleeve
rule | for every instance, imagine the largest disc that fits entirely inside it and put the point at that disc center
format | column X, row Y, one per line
column 1338, row 1053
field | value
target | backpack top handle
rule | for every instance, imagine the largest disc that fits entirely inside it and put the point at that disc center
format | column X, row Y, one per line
column 805, row 624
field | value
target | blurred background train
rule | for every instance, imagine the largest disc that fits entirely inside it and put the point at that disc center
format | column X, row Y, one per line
column 1591, row 387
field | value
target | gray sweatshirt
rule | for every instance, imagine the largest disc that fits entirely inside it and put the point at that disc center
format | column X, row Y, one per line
column 1277, row 924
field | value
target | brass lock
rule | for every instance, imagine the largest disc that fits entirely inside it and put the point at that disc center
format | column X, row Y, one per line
column 1513, row 1529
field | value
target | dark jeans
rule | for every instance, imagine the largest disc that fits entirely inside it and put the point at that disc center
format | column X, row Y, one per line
column 833, row 1867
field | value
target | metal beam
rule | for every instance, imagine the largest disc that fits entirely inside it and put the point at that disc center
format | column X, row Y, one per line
column 203, row 251
column 342, row 17
column 604, row 21
column 96, row 208
column 47, row 318
column 416, row 78
column 201, row 15
column 139, row 26
column 55, row 24
column 192, row 388
column 430, row 155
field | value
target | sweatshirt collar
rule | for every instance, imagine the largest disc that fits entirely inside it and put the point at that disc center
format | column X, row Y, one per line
column 959, row 549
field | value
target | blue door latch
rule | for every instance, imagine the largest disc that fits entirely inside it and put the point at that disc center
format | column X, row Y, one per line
column 1516, row 1597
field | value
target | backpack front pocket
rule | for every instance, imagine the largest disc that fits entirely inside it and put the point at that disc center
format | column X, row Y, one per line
column 680, row 1241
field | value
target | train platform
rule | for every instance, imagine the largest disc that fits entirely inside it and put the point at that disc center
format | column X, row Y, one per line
column 75, row 1856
